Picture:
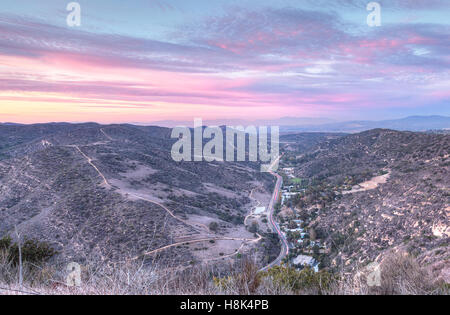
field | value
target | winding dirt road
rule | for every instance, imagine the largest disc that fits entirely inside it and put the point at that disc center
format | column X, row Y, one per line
column 108, row 185
column 194, row 225
column 259, row 203
column 253, row 240
column 105, row 181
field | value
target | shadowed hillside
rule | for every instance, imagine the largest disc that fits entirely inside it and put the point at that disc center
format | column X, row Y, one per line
column 113, row 192
column 367, row 193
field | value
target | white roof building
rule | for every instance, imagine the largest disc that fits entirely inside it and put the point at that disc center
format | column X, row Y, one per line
column 259, row 210
column 306, row 261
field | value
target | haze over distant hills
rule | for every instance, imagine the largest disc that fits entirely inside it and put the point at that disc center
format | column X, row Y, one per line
column 284, row 121
column 412, row 123
column 309, row 124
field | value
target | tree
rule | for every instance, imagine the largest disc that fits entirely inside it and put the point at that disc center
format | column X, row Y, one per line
column 305, row 280
column 312, row 234
column 214, row 226
column 292, row 225
column 254, row 227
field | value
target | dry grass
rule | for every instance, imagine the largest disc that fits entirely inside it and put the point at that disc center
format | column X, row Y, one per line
column 400, row 275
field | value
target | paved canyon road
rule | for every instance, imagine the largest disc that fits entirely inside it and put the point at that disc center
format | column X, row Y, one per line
column 274, row 225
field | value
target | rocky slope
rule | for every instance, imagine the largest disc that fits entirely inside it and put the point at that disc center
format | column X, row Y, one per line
column 111, row 193
column 376, row 191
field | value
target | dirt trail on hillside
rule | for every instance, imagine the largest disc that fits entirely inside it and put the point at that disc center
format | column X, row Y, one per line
column 204, row 233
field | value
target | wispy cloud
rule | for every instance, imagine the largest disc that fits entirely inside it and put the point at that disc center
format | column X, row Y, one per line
column 275, row 61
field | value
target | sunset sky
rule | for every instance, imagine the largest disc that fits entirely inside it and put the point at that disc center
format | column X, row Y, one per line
column 142, row 61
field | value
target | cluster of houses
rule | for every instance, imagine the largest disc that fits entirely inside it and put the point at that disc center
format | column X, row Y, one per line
column 299, row 239
column 289, row 191
column 289, row 171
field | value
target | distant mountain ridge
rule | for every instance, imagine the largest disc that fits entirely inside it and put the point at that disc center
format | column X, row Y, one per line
column 283, row 121
column 308, row 124
column 412, row 123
